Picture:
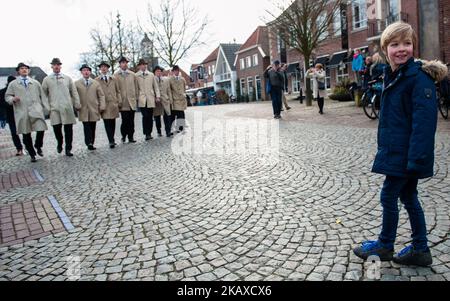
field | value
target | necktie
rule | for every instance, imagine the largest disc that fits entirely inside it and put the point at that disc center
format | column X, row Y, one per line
column 105, row 78
column 25, row 82
column 87, row 83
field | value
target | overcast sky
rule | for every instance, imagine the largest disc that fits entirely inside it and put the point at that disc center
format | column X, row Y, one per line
column 38, row 30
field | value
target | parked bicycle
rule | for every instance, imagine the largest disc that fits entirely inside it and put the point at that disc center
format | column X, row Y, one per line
column 371, row 99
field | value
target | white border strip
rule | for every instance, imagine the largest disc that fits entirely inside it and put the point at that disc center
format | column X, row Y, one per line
column 62, row 215
column 38, row 175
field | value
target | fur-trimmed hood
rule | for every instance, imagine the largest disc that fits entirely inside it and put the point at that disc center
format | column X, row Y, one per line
column 436, row 69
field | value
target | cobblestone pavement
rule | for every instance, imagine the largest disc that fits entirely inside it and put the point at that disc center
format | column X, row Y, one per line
column 141, row 212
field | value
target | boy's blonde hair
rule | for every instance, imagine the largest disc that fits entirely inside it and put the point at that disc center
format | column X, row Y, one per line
column 398, row 30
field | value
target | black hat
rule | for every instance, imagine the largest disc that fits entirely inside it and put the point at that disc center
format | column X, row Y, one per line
column 22, row 65
column 277, row 62
column 158, row 68
column 176, row 68
column 56, row 61
column 123, row 59
column 11, row 79
column 142, row 62
column 104, row 64
column 85, row 66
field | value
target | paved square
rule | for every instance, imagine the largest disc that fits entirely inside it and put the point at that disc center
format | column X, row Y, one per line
column 142, row 212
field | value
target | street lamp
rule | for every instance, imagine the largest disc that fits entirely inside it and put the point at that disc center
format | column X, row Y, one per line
column 120, row 33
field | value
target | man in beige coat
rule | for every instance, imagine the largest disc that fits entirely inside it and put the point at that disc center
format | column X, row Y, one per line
column 164, row 107
column 92, row 101
column 30, row 106
column 149, row 95
column 129, row 94
column 113, row 99
column 63, row 98
column 178, row 91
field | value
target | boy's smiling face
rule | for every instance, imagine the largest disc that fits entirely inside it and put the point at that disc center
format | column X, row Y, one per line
column 399, row 51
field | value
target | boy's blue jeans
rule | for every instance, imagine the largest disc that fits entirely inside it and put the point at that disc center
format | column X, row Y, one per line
column 405, row 189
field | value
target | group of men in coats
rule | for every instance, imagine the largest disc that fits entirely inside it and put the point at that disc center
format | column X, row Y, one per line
column 106, row 97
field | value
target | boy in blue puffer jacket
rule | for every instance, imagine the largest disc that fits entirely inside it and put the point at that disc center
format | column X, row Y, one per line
column 406, row 141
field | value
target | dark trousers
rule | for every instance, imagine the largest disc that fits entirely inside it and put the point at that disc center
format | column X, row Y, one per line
column 14, row 136
column 110, row 127
column 277, row 96
column 68, row 132
column 405, row 189
column 167, row 123
column 89, row 133
column 127, row 127
column 179, row 118
column 321, row 103
column 147, row 121
column 28, row 142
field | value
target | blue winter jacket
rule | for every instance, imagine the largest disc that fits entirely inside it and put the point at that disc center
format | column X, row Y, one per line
column 408, row 120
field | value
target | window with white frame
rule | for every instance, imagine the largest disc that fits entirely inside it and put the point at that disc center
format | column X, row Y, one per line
column 243, row 90
column 209, row 71
column 251, row 89
column 296, row 82
column 213, row 69
column 255, row 60
column 242, row 63
column 337, row 25
column 359, row 9
column 328, row 78
column 321, row 19
column 342, row 72
column 248, row 61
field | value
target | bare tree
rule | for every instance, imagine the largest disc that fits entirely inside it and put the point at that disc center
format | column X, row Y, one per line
column 176, row 28
column 304, row 25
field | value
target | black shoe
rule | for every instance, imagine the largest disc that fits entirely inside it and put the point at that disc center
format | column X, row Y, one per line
column 159, row 134
column 33, row 159
column 59, row 149
column 123, row 139
column 148, row 138
column 288, row 108
column 91, row 148
column 409, row 256
column 39, row 151
column 112, row 146
column 69, row 154
column 373, row 248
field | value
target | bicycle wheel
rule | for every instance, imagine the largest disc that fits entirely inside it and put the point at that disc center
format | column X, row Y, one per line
column 367, row 106
column 376, row 106
column 443, row 106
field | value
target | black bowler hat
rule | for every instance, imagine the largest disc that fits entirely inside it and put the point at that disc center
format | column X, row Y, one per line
column 142, row 62
column 56, row 61
column 123, row 59
column 158, row 68
column 176, row 68
column 22, row 65
column 104, row 64
column 85, row 66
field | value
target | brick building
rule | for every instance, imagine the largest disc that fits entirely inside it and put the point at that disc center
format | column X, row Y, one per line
column 359, row 25
column 251, row 61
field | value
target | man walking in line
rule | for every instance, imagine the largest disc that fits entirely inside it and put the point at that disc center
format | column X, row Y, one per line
column 113, row 100
column 275, row 78
column 129, row 94
column 149, row 95
column 178, row 91
column 9, row 111
column 93, row 105
column 164, row 107
column 63, row 98
column 30, row 106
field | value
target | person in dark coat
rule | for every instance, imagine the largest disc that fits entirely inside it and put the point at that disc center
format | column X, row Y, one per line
column 275, row 77
column 9, row 110
column 406, row 142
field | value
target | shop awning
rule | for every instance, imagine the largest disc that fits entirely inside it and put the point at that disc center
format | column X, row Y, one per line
column 337, row 59
column 322, row 60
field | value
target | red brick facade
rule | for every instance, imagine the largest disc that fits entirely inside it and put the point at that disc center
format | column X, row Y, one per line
column 444, row 30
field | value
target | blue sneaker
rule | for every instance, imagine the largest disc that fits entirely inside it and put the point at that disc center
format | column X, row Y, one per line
column 373, row 248
column 410, row 256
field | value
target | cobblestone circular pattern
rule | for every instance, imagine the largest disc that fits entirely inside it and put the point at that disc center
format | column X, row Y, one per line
column 142, row 213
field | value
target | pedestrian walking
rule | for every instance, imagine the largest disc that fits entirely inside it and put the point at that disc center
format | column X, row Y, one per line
column 9, row 111
column 149, row 95
column 129, row 94
column 275, row 79
column 285, row 86
column 406, row 142
column 164, row 106
column 93, row 105
column 30, row 107
column 63, row 100
column 113, row 101
column 317, row 74
column 177, row 86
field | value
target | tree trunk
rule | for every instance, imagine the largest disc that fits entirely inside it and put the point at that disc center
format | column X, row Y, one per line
column 308, row 91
